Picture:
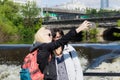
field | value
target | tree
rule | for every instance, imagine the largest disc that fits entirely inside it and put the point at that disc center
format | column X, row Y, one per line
column 9, row 13
column 30, row 12
column 47, row 16
column 118, row 23
column 91, row 11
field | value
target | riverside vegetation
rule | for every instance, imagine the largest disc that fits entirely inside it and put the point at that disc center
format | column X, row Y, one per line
column 17, row 22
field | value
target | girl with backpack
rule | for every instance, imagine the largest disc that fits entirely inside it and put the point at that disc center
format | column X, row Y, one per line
column 45, row 47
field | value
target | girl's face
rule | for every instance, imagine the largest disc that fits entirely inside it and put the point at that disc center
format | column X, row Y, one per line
column 58, row 36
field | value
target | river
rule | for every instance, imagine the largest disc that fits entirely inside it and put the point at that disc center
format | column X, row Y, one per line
column 11, row 56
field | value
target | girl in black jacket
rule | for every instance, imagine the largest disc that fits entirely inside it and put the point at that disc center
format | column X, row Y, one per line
column 45, row 46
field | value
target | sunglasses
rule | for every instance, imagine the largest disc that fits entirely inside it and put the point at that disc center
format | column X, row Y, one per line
column 49, row 34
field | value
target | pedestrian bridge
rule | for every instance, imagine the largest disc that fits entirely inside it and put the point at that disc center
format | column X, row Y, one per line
column 107, row 26
column 102, row 21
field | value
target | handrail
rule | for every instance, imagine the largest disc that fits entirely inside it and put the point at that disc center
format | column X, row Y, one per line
column 101, row 74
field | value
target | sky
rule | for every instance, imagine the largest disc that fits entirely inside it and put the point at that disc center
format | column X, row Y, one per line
column 89, row 3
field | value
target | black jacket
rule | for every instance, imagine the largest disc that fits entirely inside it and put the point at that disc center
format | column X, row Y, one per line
column 45, row 49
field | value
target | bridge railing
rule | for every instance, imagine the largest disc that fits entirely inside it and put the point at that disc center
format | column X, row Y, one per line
column 101, row 74
column 86, row 16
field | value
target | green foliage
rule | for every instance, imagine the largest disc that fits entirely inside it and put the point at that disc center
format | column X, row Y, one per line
column 90, row 35
column 118, row 23
column 91, row 11
column 30, row 11
column 101, row 12
column 84, row 38
column 8, row 32
column 8, row 27
column 116, row 34
column 26, row 34
column 38, row 24
column 10, row 10
column 47, row 16
column 12, row 19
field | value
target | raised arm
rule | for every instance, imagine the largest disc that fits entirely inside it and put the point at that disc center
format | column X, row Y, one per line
column 66, row 38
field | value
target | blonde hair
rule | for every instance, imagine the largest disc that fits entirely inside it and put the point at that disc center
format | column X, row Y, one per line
column 38, row 36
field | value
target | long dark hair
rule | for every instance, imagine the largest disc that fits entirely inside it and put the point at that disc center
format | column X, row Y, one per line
column 55, row 30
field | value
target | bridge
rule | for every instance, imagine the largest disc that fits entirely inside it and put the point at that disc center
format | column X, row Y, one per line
column 64, row 14
column 106, row 25
column 58, row 14
column 75, row 22
column 67, row 19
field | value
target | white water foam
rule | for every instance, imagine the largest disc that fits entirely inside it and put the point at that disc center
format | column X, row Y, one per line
column 113, row 67
column 11, row 72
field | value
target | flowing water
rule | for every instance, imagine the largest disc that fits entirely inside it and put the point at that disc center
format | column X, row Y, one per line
column 11, row 56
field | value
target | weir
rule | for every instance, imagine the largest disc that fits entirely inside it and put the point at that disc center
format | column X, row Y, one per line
column 14, row 53
column 11, row 57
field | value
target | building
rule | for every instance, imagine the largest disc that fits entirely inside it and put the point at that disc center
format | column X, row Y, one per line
column 25, row 1
column 73, row 5
column 104, row 4
column 21, row 1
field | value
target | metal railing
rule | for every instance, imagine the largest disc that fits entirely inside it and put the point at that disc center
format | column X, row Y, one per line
column 101, row 74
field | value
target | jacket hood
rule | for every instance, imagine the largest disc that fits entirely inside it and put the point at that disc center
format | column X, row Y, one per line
column 35, row 46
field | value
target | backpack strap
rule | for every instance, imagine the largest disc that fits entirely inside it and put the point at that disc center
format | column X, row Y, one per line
column 67, row 49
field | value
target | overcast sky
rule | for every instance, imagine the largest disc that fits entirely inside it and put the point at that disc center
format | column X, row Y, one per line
column 89, row 3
